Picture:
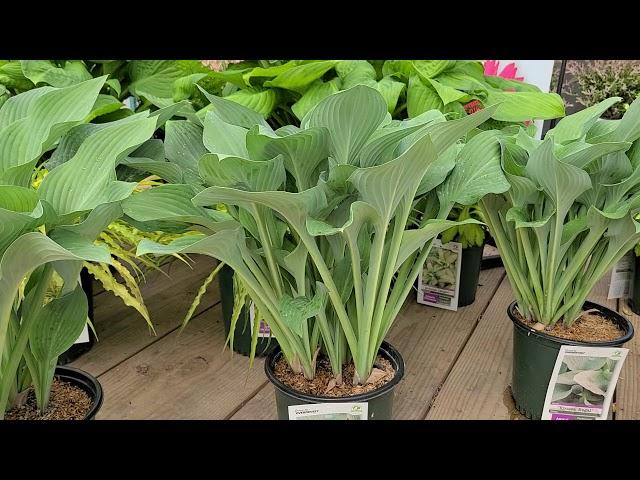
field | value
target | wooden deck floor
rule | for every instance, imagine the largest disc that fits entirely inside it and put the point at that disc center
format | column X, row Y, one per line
column 458, row 364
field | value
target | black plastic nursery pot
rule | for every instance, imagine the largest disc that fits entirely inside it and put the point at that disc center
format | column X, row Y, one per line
column 242, row 334
column 380, row 401
column 86, row 382
column 635, row 294
column 535, row 354
column 469, row 275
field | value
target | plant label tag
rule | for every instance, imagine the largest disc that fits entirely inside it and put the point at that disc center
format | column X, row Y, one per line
column 439, row 279
column 263, row 331
column 621, row 283
column 84, row 336
column 582, row 383
column 330, row 411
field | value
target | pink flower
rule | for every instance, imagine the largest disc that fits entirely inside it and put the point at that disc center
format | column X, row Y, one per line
column 510, row 71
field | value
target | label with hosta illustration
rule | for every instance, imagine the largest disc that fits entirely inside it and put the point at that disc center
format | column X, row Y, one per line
column 330, row 411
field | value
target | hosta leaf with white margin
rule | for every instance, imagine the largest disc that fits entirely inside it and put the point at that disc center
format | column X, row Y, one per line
column 48, row 117
column 351, row 117
column 575, row 126
column 171, row 203
column 88, row 179
column 45, row 71
column 318, row 91
column 300, row 77
column 477, row 172
column 521, row 106
column 302, row 152
column 421, row 98
column 58, row 325
column 294, row 311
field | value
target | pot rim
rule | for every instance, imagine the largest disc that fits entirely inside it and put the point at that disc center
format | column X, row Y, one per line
column 87, row 382
column 620, row 319
column 386, row 349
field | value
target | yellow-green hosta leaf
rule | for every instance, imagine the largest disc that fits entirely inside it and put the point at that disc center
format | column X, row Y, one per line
column 390, row 90
column 234, row 112
column 448, row 94
column 521, row 106
column 431, row 68
column 300, row 77
column 318, row 91
column 45, row 71
column 104, row 104
column 421, row 98
column 262, row 102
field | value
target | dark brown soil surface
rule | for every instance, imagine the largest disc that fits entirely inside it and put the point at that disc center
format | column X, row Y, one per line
column 324, row 382
column 67, row 402
column 590, row 327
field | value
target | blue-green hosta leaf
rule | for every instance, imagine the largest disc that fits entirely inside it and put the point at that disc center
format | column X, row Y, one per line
column 183, row 146
column 414, row 240
column 578, row 124
column 261, row 101
column 243, row 174
column 448, row 94
column 295, row 311
column 233, row 112
column 294, row 207
column 390, row 91
column 300, row 77
column 601, row 130
column 527, row 142
column 88, row 179
column 152, row 149
column 20, row 212
column 582, row 154
column 153, row 78
column 38, row 126
column 384, row 186
column 421, row 98
column 521, row 106
column 11, row 76
column 45, row 71
column 438, row 170
column 380, row 148
column 302, row 151
column 356, row 72
column 477, row 172
column 628, row 129
column 430, row 68
column 521, row 218
column 104, row 104
column 223, row 138
column 58, row 324
column 185, row 87
column 268, row 72
column 351, row 117
column 182, row 109
column 171, row 203
column 523, row 191
column 514, row 158
column 563, row 183
column 318, row 91
column 18, row 106
column 168, row 171
column 114, row 84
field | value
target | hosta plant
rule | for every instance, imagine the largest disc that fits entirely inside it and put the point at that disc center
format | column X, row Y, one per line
column 46, row 234
column 569, row 214
column 329, row 223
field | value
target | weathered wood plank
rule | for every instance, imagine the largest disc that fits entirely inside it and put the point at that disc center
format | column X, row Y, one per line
column 429, row 339
column 122, row 332
column 477, row 387
column 628, row 390
column 182, row 376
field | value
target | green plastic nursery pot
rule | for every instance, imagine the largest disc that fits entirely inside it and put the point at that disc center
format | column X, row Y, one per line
column 242, row 334
column 469, row 275
column 86, row 382
column 635, row 294
column 380, row 401
column 535, row 354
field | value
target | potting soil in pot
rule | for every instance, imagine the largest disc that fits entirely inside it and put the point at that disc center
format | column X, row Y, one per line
column 324, row 382
column 590, row 327
column 67, row 402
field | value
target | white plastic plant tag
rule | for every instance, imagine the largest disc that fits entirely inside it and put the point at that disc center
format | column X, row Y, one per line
column 330, row 411
column 621, row 283
column 439, row 279
column 84, row 336
column 263, row 331
column 583, row 382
